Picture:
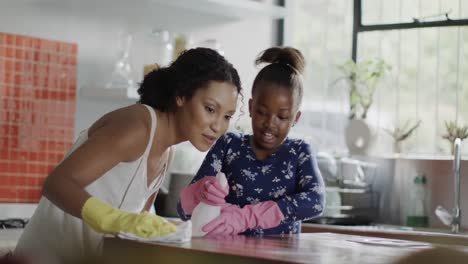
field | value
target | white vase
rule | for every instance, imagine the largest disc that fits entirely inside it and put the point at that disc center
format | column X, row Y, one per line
column 358, row 136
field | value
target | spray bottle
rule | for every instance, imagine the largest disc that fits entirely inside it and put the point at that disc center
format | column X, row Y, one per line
column 204, row 213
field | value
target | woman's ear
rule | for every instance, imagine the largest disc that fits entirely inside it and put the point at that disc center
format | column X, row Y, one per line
column 296, row 119
column 250, row 107
column 180, row 101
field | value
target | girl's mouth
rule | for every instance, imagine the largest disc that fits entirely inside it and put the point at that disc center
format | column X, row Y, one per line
column 267, row 137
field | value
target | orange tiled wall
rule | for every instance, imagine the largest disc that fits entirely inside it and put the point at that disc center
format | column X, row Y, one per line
column 37, row 109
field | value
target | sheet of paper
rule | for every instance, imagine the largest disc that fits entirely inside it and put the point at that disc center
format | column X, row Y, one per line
column 182, row 235
column 388, row 242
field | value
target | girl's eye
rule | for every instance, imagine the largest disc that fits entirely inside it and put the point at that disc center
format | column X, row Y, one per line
column 209, row 109
column 283, row 117
column 260, row 112
column 228, row 117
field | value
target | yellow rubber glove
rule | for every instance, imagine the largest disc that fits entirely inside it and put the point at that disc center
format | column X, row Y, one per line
column 104, row 218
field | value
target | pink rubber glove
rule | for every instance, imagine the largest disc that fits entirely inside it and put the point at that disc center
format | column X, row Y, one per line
column 234, row 220
column 205, row 190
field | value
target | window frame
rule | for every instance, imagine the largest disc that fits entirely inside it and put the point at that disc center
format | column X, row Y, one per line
column 358, row 27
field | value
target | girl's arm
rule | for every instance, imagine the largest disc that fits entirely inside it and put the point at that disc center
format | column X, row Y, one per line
column 309, row 200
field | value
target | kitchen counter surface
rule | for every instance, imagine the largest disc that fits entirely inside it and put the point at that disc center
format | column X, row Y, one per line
column 316, row 248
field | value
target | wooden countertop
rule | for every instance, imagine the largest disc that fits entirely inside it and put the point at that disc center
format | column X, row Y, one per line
column 319, row 248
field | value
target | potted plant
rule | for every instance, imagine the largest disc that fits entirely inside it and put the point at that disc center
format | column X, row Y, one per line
column 363, row 78
column 399, row 134
column 453, row 132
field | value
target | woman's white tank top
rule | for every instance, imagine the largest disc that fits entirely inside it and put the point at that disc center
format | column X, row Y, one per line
column 52, row 233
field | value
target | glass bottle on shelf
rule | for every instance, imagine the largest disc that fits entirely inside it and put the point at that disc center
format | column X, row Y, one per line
column 182, row 42
column 159, row 50
column 121, row 77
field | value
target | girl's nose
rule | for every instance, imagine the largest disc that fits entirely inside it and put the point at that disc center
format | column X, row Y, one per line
column 270, row 121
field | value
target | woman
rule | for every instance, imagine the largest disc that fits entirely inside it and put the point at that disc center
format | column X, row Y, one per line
column 110, row 177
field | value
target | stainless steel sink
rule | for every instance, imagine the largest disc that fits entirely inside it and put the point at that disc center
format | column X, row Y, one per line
column 384, row 227
column 430, row 235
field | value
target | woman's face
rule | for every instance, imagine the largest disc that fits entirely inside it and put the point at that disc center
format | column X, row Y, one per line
column 273, row 112
column 205, row 117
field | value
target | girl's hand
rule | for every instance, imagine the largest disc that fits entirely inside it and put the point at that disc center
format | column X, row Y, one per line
column 234, row 220
column 206, row 190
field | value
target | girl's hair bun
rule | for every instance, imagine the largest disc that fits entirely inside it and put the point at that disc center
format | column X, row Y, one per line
column 287, row 56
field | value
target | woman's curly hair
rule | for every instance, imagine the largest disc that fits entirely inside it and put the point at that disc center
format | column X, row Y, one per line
column 192, row 70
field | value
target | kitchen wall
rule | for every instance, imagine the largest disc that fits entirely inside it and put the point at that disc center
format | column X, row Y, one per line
column 37, row 111
column 394, row 183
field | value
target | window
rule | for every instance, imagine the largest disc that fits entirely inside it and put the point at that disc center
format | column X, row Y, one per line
column 429, row 68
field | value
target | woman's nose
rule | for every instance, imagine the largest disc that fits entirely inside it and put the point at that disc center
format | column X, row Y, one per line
column 217, row 125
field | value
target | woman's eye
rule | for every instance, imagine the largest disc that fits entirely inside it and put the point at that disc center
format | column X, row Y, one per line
column 209, row 109
column 228, row 117
column 283, row 117
column 261, row 112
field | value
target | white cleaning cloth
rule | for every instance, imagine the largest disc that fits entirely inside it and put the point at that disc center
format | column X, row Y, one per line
column 183, row 234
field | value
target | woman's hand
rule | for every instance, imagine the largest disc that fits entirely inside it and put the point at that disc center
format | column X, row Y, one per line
column 104, row 218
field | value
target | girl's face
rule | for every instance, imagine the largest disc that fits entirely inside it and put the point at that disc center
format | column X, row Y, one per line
column 205, row 117
column 273, row 111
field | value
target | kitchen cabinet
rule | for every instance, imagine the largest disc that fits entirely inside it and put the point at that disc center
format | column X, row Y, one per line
column 227, row 9
column 165, row 13
column 179, row 16
column 183, row 16
column 93, row 26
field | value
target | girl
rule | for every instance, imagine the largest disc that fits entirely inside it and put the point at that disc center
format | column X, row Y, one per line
column 274, row 181
column 110, row 177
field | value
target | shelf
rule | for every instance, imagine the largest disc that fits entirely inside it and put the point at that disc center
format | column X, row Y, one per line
column 340, row 207
column 231, row 9
column 172, row 14
column 346, row 190
column 418, row 157
column 110, row 94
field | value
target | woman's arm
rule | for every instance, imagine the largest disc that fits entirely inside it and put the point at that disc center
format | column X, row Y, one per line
column 309, row 199
column 121, row 137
